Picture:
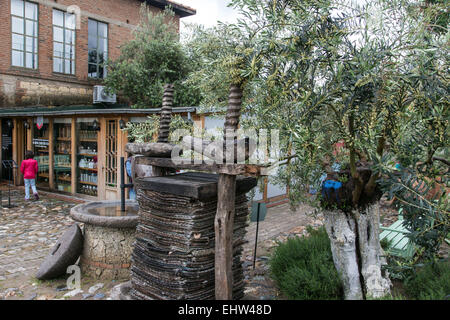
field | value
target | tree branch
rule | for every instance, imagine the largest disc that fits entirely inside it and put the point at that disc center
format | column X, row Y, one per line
column 442, row 160
column 356, row 194
column 371, row 184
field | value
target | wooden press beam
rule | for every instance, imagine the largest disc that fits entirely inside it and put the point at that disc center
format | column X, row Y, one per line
column 152, row 149
column 224, row 220
column 252, row 170
column 219, row 151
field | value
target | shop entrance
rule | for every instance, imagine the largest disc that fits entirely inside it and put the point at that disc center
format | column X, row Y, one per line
column 41, row 149
column 7, row 147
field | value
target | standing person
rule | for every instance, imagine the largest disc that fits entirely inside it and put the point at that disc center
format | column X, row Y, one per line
column 29, row 169
column 132, row 193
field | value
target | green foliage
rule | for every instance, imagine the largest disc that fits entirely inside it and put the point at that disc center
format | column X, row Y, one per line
column 151, row 59
column 426, row 215
column 303, row 268
column 431, row 282
column 422, row 131
column 147, row 131
column 385, row 243
column 374, row 76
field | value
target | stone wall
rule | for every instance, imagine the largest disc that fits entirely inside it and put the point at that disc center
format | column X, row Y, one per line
column 107, row 252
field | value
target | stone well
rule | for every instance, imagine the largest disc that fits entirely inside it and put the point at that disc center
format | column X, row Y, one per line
column 109, row 235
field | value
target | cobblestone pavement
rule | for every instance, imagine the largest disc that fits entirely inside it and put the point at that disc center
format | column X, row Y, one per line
column 279, row 224
column 29, row 230
column 25, row 236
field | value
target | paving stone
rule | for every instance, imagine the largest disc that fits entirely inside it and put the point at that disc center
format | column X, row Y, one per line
column 73, row 293
column 96, row 287
column 61, row 288
column 86, row 295
column 99, row 296
column 32, row 297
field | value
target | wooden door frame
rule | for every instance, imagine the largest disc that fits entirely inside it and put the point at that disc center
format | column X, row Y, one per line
column 121, row 142
column 102, row 177
column 18, row 135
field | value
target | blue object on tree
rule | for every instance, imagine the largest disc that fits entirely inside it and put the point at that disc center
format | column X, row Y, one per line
column 330, row 185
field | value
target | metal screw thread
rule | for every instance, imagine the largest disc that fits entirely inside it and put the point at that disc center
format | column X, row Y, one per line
column 166, row 114
column 234, row 108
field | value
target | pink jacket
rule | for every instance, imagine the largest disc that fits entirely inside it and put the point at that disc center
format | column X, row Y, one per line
column 29, row 168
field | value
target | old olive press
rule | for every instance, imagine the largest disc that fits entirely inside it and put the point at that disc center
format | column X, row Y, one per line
column 192, row 225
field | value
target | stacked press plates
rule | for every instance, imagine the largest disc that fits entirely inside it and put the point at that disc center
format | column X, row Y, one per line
column 173, row 257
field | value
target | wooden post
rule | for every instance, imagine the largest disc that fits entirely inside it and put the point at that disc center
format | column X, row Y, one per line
column 29, row 134
column 224, row 220
column 15, row 151
column 121, row 143
column 51, row 154
column 73, row 151
column 1, row 150
column 101, row 159
column 124, row 137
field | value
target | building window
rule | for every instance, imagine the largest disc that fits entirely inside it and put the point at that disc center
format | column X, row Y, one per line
column 63, row 42
column 98, row 49
column 24, row 27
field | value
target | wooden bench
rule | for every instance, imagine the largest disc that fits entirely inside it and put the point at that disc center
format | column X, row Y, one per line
column 399, row 243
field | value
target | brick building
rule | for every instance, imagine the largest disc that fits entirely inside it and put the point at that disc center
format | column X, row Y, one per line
column 51, row 54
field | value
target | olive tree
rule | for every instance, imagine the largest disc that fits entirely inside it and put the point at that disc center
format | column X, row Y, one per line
column 151, row 59
column 327, row 74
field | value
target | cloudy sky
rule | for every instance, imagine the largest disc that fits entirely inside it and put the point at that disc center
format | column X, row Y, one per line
column 208, row 12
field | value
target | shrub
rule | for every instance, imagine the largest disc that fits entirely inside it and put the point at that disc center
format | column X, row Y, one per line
column 303, row 268
column 432, row 282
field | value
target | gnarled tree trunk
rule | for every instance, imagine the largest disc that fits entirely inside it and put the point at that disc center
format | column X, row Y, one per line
column 357, row 253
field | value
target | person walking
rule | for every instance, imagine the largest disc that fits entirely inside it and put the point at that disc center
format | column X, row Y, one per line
column 29, row 169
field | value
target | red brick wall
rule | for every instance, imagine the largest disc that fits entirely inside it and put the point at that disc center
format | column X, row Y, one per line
column 42, row 86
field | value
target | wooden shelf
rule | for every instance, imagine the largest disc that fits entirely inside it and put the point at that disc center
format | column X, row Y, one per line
column 88, row 140
column 89, row 183
column 88, row 169
column 42, row 175
column 64, row 179
column 88, row 154
column 63, row 139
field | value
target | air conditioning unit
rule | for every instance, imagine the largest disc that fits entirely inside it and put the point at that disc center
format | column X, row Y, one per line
column 100, row 95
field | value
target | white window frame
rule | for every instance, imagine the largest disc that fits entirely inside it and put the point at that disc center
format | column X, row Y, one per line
column 66, row 27
column 34, row 36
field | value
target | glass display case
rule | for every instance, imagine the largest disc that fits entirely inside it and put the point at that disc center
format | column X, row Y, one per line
column 87, row 156
column 62, row 154
column 41, row 152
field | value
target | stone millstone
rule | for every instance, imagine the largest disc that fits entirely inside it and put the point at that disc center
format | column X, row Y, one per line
column 65, row 253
